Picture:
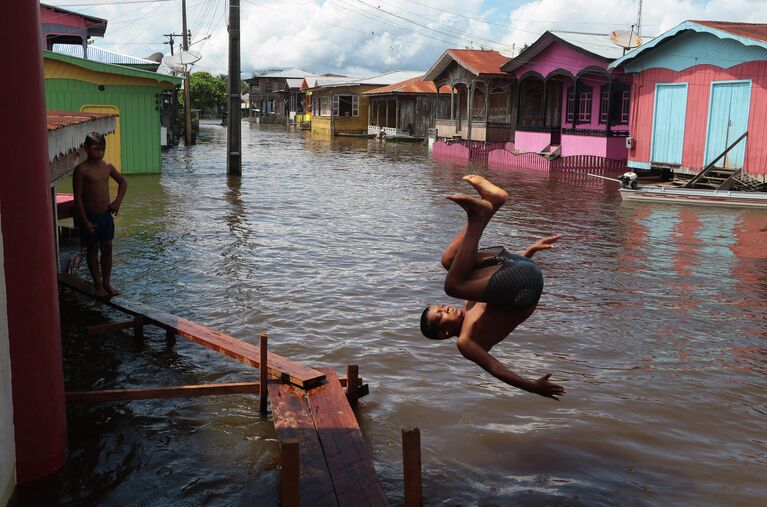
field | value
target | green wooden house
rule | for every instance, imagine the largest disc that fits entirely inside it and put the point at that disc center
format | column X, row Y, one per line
column 76, row 84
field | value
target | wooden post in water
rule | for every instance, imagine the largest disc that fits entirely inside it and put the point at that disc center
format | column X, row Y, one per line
column 352, row 384
column 263, row 395
column 138, row 328
column 411, row 466
column 289, row 487
column 233, row 129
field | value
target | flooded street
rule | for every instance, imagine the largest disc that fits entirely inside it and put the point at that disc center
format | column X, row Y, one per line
column 653, row 317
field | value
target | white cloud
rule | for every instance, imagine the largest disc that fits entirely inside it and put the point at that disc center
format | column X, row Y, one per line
column 345, row 36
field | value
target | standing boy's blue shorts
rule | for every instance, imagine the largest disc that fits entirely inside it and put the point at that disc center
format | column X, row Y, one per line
column 105, row 228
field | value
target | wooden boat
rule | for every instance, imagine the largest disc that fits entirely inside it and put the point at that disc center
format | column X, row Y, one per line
column 677, row 195
column 671, row 193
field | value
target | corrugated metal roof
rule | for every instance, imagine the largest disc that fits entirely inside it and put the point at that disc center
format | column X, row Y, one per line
column 390, row 78
column 113, row 69
column 596, row 43
column 756, row 31
column 480, row 62
column 67, row 130
column 412, row 85
column 286, row 73
column 101, row 55
column 294, row 82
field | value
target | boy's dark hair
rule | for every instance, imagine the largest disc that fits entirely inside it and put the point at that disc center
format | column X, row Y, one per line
column 429, row 330
column 95, row 138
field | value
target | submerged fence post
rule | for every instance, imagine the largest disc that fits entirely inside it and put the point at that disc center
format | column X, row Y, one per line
column 352, row 384
column 263, row 395
column 289, row 484
column 411, row 466
column 138, row 328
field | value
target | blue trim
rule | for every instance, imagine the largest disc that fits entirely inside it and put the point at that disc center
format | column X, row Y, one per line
column 635, row 164
column 687, row 25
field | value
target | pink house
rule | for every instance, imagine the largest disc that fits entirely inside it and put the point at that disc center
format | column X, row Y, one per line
column 571, row 109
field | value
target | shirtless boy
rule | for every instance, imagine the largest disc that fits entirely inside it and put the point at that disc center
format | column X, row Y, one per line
column 94, row 211
column 501, row 290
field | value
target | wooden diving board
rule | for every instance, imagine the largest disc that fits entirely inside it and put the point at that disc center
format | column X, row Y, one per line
column 334, row 460
column 278, row 367
column 293, row 419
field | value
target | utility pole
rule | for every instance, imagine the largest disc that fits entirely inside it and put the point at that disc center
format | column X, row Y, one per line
column 170, row 40
column 233, row 130
column 187, row 100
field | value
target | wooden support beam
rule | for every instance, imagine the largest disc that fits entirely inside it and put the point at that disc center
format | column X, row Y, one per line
column 352, row 374
column 362, row 388
column 279, row 367
column 411, row 466
column 108, row 328
column 170, row 337
column 151, row 393
column 138, row 328
column 290, row 491
column 264, row 375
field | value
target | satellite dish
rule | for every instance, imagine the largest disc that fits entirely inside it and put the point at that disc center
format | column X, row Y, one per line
column 169, row 62
column 626, row 39
column 187, row 57
column 155, row 57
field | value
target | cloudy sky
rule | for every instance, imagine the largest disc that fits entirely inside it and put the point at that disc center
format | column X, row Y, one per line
column 362, row 37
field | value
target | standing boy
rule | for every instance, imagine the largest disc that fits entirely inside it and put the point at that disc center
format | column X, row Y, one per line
column 94, row 211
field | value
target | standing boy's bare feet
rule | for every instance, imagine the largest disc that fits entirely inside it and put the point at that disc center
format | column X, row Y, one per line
column 475, row 208
column 490, row 192
column 111, row 290
column 101, row 292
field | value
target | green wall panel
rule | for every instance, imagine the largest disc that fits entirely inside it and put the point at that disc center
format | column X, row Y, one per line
column 139, row 117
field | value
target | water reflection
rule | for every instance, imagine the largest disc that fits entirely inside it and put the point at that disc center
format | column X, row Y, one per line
column 653, row 316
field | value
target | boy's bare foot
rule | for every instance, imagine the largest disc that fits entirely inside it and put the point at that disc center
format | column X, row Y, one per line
column 111, row 290
column 490, row 192
column 101, row 292
column 478, row 208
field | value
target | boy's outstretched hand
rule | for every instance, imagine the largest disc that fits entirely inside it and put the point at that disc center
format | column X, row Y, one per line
column 542, row 244
column 548, row 389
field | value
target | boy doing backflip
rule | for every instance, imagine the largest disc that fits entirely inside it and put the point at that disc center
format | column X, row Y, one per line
column 94, row 211
column 501, row 290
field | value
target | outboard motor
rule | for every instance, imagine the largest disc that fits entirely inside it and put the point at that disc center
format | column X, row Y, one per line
column 629, row 180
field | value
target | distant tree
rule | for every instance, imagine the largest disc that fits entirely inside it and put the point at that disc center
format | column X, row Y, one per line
column 206, row 91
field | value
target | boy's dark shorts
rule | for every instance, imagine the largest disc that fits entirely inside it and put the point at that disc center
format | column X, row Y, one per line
column 105, row 228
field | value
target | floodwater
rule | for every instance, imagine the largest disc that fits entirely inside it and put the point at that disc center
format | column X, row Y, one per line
column 653, row 317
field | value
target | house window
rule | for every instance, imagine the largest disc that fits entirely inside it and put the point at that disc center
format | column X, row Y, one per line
column 614, row 104
column 604, row 105
column 584, row 107
column 570, row 107
column 346, row 105
column 325, row 105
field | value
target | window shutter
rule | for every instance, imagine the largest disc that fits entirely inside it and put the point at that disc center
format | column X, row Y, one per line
column 335, row 105
column 355, row 105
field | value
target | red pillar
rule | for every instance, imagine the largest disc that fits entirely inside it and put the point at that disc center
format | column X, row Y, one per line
column 37, row 375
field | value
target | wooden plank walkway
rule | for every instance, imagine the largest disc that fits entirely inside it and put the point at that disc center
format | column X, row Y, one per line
column 279, row 367
column 310, row 406
column 345, row 450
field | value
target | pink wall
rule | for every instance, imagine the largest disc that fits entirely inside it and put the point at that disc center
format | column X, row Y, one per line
column 531, row 141
column 696, row 121
column 559, row 56
column 583, row 145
